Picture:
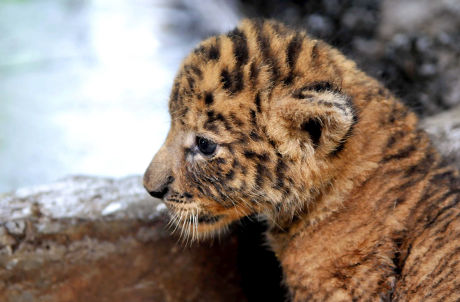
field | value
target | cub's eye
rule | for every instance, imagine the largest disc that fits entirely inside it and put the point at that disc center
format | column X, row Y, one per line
column 206, row 146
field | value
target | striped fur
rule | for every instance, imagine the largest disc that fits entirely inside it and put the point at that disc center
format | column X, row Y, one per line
column 360, row 205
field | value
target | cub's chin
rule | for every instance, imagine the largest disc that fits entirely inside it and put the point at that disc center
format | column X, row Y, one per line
column 193, row 226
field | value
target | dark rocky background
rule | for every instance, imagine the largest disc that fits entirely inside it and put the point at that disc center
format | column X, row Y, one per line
column 413, row 46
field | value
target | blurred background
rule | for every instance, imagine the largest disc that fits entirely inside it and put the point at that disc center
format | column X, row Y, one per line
column 84, row 84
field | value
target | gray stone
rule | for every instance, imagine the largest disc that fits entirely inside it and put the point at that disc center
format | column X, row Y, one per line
column 444, row 129
column 98, row 239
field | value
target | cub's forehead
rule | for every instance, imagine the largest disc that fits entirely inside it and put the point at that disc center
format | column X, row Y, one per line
column 209, row 76
column 241, row 71
column 215, row 77
column 213, row 110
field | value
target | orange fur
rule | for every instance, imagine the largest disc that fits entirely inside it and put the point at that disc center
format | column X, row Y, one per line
column 360, row 205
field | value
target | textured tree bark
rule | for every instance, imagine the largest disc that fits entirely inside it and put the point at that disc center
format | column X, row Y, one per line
column 91, row 239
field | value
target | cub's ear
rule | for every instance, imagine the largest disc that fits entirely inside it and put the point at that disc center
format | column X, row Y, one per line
column 312, row 120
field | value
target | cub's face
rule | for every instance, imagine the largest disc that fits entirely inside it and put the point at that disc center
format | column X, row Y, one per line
column 246, row 138
column 216, row 165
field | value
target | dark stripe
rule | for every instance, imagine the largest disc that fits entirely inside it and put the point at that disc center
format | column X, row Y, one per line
column 408, row 184
column 265, row 49
column 214, row 52
column 175, row 92
column 447, row 177
column 242, row 138
column 252, row 113
column 426, row 198
column 220, row 161
column 211, row 53
column 303, row 93
column 199, row 50
column 253, row 73
column 280, row 169
column 292, row 53
column 236, row 120
column 264, row 45
column 443, row 228
column 278, row 28
column 442, row 211
column 337, row 105
column 208, row 219
column 330, row 105
column 262, row 174
column 433, row 205
column 264, row 157
column 394, row 138
column 212, row 117
column 211, row 127
column 315, row 53
column 448, row 276
column 402, row 153
column 225, row 79
column 209, row 99
column 249, row 154
column 196, row 71
column 232, row 82
column 191, row 83
column 220, row 117
column 322, row 86
column 236, row 163
column 240, row 47
column 254, row 136
column 423, row 166
column 399, row 112
column 293, row 50
column 440, row 267
column 238, row 82
column 289, row 79
column 257, row 101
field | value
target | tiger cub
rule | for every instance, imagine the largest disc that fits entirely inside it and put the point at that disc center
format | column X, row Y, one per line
column 267, row 120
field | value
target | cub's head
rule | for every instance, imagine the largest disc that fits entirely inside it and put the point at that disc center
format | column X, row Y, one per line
column 257, row 118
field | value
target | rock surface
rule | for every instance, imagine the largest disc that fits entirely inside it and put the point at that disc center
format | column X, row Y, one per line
column 92, row 239
column 444, row 129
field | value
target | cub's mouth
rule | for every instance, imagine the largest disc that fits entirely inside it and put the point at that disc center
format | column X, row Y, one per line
column 191, row 223
column 187, row 218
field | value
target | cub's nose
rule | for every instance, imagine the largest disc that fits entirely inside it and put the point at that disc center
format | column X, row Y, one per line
column 161, row 190
column 158, row 175
column 159, row 194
